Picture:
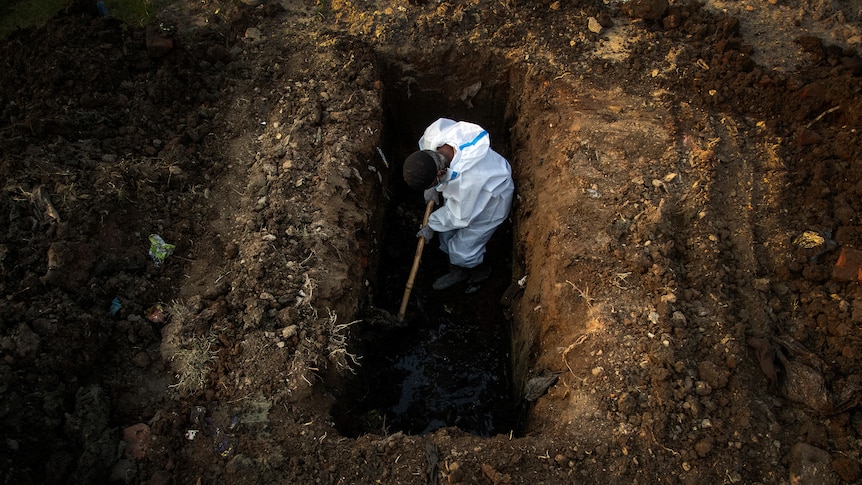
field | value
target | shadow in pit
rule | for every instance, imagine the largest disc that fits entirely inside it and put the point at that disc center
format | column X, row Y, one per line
column 448, row 366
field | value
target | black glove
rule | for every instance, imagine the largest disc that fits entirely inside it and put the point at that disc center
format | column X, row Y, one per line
column 432, row 194
column 426, row 232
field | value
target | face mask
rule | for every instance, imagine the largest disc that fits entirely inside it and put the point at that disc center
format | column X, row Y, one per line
column 439, row 159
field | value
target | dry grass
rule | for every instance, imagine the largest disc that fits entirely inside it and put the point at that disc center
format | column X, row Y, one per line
column 192, row 358
column 28, row 13
column 338, row 336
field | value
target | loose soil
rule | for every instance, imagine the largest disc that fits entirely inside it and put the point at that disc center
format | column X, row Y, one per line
column 677, row 289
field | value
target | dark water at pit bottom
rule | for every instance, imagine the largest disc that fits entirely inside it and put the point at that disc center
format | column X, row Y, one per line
column 450, row 364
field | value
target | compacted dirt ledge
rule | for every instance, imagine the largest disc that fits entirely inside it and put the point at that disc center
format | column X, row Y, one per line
column 686, row 238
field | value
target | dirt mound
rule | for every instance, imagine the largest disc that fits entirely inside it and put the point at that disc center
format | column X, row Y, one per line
column 197, row 212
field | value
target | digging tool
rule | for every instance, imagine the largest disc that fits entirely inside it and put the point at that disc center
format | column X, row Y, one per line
column 419, row 246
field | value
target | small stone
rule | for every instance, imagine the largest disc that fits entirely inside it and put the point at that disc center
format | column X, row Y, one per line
column 289, row 331
column 253, row 34
column 847, row 468
column 703, row 447
column 137, row 439
column 141, row 360
column 849, row 266
column 712, row 374
column 157, row 43
column 807, row 137
column 594, row 25
column 702, row 389
column 626, row 403
column 652, row 10
column 810, row 465
column 760, row 284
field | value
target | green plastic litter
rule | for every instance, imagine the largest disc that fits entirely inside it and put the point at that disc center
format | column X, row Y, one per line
column 159, row 249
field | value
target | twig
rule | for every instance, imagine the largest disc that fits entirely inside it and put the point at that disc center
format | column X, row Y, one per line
column 336, row 251
column 583, row 294
column 385, row 162
column 577, row 342
column 663, row 446
column 815, row 120
column 310, row 254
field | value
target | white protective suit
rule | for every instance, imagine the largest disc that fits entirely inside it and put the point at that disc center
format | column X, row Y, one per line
column 477, row 192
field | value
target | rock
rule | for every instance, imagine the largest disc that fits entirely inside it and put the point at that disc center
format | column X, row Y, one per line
column 714, row 376
column 626, row 403
column 645, row 9
column 811, row 466
column 136, row 438
column 141, row 360
column 69, row 265
column 27, row 343
column 812, row 45
column 760, row 284
column 289, row 331
column 253, row 34
column 856, row 315
column 671, row 22
column 703, row 447
column 594, row 25
column 537, row 386
column 124, row 471
column 847, row 468
column 807, row 137
column 604, row 19
column 701, row 388
column 158, row 43
column 849, row 266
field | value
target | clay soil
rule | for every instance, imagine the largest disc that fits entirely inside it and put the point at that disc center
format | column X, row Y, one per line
column 681, row 265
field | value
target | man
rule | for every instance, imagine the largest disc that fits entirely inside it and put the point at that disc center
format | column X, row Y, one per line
column 455, row 160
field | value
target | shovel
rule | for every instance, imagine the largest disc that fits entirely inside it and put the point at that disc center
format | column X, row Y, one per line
column 419, row 246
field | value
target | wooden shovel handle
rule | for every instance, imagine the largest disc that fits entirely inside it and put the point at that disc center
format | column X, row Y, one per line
column 416, row 259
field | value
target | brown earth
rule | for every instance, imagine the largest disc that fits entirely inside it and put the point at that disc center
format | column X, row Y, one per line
column 684, row 257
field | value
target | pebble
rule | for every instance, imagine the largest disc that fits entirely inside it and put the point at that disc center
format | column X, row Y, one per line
column 703, row 447
column 141, row 360
column 810, row 465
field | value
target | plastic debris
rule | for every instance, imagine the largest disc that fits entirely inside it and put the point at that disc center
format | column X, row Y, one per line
column 44, row 209
column 115, row 306
column 197, row 415
column 223, row 443
column 157, row 314
column 159, row 249
column 537, row 386
column 809, row 239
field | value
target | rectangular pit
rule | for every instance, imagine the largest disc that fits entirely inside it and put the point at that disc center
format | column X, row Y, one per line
column 451, row 363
